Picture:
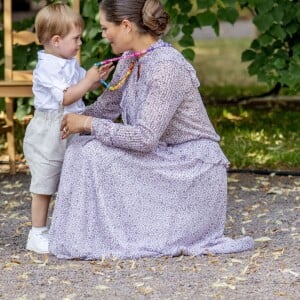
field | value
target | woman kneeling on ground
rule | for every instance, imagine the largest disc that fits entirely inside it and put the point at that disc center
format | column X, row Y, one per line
column 155, row 184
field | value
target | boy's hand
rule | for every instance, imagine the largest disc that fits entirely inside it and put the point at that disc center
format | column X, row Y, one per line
column 94, row 74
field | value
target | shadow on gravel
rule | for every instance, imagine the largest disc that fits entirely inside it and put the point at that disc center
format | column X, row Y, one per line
column 265, row 207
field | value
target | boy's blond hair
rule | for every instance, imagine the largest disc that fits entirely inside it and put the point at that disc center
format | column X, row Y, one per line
column 56, row 19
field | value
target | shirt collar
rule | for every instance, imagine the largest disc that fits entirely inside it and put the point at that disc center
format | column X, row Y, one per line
column 42, row 55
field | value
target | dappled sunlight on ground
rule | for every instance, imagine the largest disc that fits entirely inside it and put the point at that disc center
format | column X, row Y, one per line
column 264, row 207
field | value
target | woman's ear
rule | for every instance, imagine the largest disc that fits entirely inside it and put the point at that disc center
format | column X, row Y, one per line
column 127, row 25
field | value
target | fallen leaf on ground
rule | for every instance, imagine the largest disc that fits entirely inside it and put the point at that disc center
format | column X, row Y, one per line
column 145, row 290
column 219, row 284
column 263, row 239
column 102, row 287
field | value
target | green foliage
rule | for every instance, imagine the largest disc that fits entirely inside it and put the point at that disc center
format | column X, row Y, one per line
column 275, row 53
column 186, row 16
column 248, row 141
column 274, row 56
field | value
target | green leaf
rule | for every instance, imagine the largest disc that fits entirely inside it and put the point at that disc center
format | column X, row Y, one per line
column 189, row 54
column 229, row 2
column 248, row 55
column 263, row 22
column 290, row 12
column 292, row 77
column 23, row 108
column 292, row 28
column 207, row 18
column 182, row 19
column 186, row 41
column 278, row 44
column 185, row 6
column 265, row 39
column 267, row 51
column 279, row 63
column 216, row 28
column 277, row 13
column 228, row 14
column 174, row 30
column 173, row 12
column 278, row 32
column 205, row 3
column 91, row 33
column 298, row 14
column 255, row 44
column 244, row 3
column 193, row 21
column 282, row 54
column 187, row 29
column 254, row 68
column 264, row 6
column 296, row 50
column 88, row 9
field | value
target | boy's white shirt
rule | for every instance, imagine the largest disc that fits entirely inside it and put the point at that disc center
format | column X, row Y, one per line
column 51, row 77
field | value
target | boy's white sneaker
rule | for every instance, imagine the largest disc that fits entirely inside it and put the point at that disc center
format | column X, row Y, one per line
column 38, row 242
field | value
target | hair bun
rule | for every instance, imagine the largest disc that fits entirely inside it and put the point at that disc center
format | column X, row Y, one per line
column 154, row 17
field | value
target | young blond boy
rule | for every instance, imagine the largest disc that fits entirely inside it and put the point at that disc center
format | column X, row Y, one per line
column 59, row 84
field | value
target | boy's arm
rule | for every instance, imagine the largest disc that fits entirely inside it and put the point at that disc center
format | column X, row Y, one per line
column 88, row 83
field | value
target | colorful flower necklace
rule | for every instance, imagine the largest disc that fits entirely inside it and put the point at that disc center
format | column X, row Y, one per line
column 136, row 55
column 121, row 82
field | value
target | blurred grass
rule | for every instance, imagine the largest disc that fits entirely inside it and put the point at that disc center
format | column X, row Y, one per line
column 258, row 138
column 222, row 74
column 251, row 137
column 218, row 62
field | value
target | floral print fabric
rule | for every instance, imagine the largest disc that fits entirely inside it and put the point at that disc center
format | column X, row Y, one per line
column 152, row 185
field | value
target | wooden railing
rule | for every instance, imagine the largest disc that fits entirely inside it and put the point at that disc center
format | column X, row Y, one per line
column 16, row 83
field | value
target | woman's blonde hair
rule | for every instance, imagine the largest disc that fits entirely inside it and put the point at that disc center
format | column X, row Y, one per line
column 56, row 19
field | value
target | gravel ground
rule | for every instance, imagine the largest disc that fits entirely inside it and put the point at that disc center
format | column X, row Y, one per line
column 265, row 207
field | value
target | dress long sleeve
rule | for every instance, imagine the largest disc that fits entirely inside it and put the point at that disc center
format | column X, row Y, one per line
column 165, row 94
column 107, row 105
column 122, row 196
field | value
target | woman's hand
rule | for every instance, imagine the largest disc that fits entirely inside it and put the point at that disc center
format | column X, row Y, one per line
column 74, row 123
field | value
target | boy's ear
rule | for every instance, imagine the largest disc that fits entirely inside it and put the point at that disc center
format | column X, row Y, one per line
column 54, row 40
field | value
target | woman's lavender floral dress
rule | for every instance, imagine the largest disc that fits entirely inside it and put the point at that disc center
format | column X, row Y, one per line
column 153, row 185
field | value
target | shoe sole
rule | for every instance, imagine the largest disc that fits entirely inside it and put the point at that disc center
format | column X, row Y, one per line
column 39, row 252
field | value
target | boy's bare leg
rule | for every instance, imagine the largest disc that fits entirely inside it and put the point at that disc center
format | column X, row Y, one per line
column 38, row 236
column 39, row 209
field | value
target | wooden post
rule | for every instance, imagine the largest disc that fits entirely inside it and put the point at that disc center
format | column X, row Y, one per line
column 76, row 7
column 8, row 48
column 8, row 61
column 11, row 83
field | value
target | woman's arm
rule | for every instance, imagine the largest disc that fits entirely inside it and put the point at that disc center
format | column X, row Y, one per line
column 166, row 92
column 107, row 105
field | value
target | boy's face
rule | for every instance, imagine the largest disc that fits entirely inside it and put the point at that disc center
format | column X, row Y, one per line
column 67, row 47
